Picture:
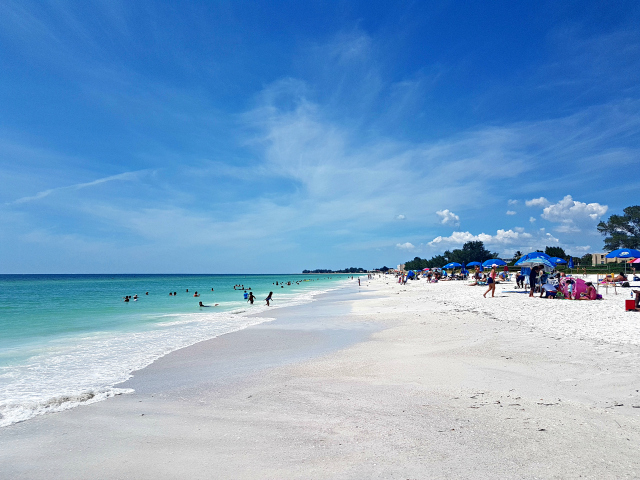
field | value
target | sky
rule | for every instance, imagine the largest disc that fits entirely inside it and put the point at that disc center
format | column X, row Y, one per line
column 272, row 137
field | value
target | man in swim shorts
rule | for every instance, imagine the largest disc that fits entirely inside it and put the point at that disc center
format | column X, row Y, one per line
column 532, row 280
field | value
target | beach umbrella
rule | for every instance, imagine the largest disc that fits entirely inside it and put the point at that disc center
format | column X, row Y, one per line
column 492, row 261
column 534, row 255
column 570, row 262
column 637, row 260
column 558, row 260
column 623, row 253
column 425, row 269
column 455, row 264
column 473, row 264
column 527, row 261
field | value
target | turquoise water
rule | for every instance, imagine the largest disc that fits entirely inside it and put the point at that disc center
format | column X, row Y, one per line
column 68, row 339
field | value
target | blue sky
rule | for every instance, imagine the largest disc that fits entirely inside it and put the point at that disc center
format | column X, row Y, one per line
column 254, row 137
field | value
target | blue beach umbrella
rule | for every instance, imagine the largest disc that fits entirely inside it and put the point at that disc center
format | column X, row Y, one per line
column 473, row 264
column 492, row 261
column 527, row 261
column 558, row 260
column 570, row 262
column 534, row 255
column 623, row 253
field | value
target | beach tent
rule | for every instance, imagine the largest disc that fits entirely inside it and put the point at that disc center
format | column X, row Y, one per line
column 491, row 261
column 579, row 286
column 558, row 260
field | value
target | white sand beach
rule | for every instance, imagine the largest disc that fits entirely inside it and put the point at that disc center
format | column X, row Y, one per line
column 378, row 381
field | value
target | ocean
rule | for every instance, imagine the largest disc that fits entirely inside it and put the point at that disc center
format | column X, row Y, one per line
column 66, row 340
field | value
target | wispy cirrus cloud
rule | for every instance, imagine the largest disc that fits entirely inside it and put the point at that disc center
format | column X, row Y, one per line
column 126, row 176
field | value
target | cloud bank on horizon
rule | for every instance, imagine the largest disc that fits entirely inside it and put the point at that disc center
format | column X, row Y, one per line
column 273, row 137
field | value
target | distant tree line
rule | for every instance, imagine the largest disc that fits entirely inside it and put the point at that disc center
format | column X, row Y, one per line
column 346, row 270
column 470, row 252
column 476, row 252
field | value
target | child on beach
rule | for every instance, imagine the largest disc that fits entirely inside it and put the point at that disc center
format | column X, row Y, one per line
column 268, row 299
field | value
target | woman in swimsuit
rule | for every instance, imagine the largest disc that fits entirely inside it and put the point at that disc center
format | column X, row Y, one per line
column 491, row 282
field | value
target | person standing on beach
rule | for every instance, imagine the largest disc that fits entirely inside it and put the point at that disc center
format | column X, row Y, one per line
column 532, row 279
column 491, row 282
column 269, row 298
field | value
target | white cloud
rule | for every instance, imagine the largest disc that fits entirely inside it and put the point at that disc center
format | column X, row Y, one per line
column 448, row 217
column 574, row 216
column 537, row 202
column 405, row 246
column 569, row 209
column 501, row 237
column 512, row 202
column 400, row 217
column 511, row 212
column 532, row 219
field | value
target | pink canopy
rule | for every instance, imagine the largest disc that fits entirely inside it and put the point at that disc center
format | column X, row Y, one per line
column 579, row 286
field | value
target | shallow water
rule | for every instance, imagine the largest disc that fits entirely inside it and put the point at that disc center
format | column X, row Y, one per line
column 67, row 339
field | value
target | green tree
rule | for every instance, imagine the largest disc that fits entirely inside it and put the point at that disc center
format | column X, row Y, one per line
column 555, row 252
column 623, row 230
column 586, row 259
column 470, row 251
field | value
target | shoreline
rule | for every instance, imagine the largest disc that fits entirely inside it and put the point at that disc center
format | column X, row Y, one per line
column 81, row 360
column 428, row 382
